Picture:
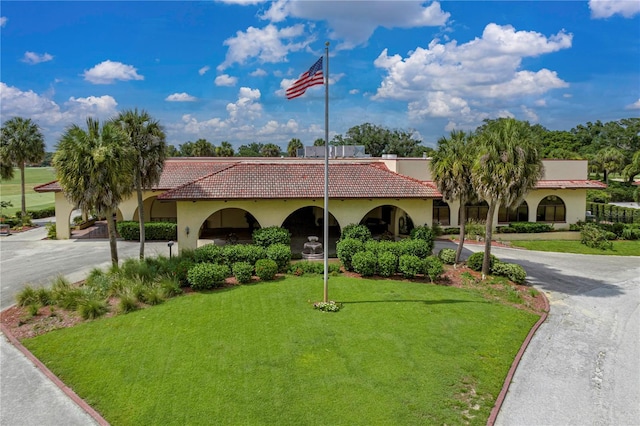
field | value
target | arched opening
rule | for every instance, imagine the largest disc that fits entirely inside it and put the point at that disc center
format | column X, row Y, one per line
column 159, row 210
column 387, row 220
column 309, row 221
column 519, row 214
column 477, row 211
column 441, row 212
column 551, row 209
column 232, row 224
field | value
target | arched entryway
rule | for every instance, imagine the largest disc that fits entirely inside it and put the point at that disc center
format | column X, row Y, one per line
column 551, row 209
column 309, row 221
column 230, row 223
column 519, row 214
column 387, row 219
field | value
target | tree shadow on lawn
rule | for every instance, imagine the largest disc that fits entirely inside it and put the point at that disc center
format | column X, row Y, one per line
column 426, row 302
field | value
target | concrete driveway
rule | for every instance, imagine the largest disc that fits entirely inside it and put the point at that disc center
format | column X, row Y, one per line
column 582, row 366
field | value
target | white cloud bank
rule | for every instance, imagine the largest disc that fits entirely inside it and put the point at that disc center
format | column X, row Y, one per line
column 225, row 80
column 36, row 58
column 607, row 8
column 180, row 97
column 3, row 21
column 108, row 72
column 635, row 105
column 449, row 80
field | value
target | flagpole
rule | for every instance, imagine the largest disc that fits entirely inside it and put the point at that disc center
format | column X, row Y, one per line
column 326, row 176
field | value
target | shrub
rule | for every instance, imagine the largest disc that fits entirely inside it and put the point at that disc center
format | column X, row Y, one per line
column 346, row 248
column 433, row 267
column 329, row 306
column 447, row 255
column 266, row 269
column 265, row 237
column 514, row 272
column 51, row 230
column 207, row 275
column 69, row 298
column 161, row 231
column 593, row 236
column 420, row 248
column 92, row 308
column 309, row 267
column 357, row 232
column 436, row 229
column 44, row 296
column 373, row 245
column 153, row 295
column 209, row 253
column 453, row 230
column 387, row 264
column 27, row 296
column 242, row 271
column 250, row 253
column 127, row 303
column 364, row 263
column 423, row 233
column 409, row 265
column 475, row 261
column 474, row 229
column 281, row 254
column 170, row 287
column 631, row 232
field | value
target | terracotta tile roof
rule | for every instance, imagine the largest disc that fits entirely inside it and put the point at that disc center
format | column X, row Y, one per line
column 570, row 184
column 52, row 186
column 178, row 172
column 299, row 180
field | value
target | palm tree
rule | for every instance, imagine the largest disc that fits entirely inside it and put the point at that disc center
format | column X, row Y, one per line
column 294, row 145
column 270, row 150
column 203, row 148
column 21, row 143
column 632, row 168
column 610, row 159
column 451, row 170
column 147, row 140
column 224, row 150
column 506, row 167
column 93, row 167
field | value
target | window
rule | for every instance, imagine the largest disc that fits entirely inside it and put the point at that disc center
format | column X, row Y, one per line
column 441, row 212
column 477, row 212
column 551, row 209
column 521, row 214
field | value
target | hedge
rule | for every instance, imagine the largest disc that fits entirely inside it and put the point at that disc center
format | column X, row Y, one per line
column 160, row 231
column 524, row 228
column 612, row 213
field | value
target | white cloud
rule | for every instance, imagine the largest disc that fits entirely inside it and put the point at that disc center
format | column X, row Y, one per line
column 226, row 80
column 180, row 97
column 36, row 58
column 15, row 102
column 354, row 91
column 540, row 103
column 268, row 45
column 465, row 82
column 108, row 72
column 529, row 114
column 100, row 106
column 635, row 105
column 3, row 21
column 242, row 2
column 258, row 73
column 247, row 105
column 203, row 70
column 370, row 15
column 607, row 8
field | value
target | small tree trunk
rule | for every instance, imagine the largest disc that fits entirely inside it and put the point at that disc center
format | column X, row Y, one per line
column 140, row 218
column 113, row 244
column 24, row 199
column 462, row 214
column 486, row 261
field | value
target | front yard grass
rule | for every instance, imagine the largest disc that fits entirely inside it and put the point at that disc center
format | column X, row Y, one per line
column 397, row 353
column 11, row 190
column 620, row 248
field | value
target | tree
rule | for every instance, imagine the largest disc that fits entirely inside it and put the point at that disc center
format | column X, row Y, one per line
column 252, row 150
column 147, row 140
column 633, row 168
column 610, row 160
column 203, row 148
column 224, row 150
column 186, row 149
column 294, row 145
column 320, row 142
column 93, row 167
column 172, row 151
column 21, row 143
column 507, row 166
column 270, row 150
column 451, row 170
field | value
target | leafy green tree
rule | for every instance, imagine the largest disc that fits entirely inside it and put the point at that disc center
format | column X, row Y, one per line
column 203, row 148
column 172, row 151
column 270, row 150
column 224, row 150
column 186, row 149
column 320, row 142
column 507, row 166
column 254, row 149
column 147, row 140
column 633, row 168
column 93, row 167
column 21, row 143
column 451, row 170
column 294, row 145
column 610, row 160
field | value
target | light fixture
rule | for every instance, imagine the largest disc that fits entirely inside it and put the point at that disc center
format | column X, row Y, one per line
column 170, row 244
column 186, row 230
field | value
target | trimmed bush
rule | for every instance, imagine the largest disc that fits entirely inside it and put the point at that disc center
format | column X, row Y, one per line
column 364, row 263
column 433, row 267
column 631, row 232
column 409, row 265
column 355, row 231
column 594, row 236
column 243, row 272
column 514, row 272
column 419, row 247
column 264, row 237
column 38, row 214
column 475, row 261
column 243, row 253
column 524, row 228
column 209, row 253
column 309, row 267
column 160, row 231
column 447, row 255
column 266, row 269
column 422, row 233
column 387, row 264
column 346, row 249
column 281, row 254
column 207, row 275
column 92, row 308
column 372, row 246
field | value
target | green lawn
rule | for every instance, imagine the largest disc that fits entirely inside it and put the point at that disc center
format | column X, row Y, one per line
column 398, row 353
column 620, row 248
column 10, row 189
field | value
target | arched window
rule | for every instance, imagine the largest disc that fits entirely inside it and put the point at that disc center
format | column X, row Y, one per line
column 520, row 214
column 477, row 212
column 551, row 209
column 441, row 212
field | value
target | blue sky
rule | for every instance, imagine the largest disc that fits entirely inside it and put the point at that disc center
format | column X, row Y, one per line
column 219, row 69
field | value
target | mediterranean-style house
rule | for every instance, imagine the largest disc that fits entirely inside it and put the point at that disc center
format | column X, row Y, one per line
column 216, row 196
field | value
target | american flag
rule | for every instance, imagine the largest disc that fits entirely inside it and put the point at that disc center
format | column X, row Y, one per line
column 310, row 78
